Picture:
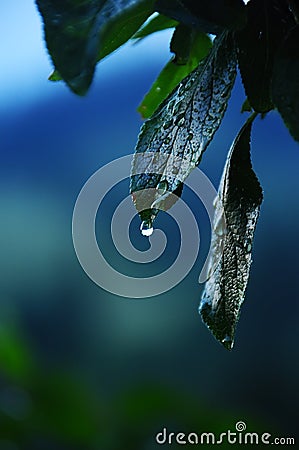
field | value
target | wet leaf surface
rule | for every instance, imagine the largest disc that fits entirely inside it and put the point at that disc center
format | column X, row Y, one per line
column 173, row 140
column 236, row 214
column 173, row 73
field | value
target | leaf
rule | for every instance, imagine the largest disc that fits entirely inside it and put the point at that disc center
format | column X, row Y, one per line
column 181, row 43
column 54, row 76
column 210, row 16
column 236, row 214
column 172, row 74
column 173, row 140
column 246, row 107
column 76, row 419
column 78, row 33
column 268, row 22
column 16, row 361
column 285, row 84
column 157, row 23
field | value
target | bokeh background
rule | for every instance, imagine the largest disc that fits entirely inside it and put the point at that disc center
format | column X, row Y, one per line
column 81, row 368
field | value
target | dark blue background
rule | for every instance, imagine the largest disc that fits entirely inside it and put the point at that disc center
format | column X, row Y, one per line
column 51, row 142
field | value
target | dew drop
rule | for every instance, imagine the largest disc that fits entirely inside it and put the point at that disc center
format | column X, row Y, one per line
column 162, row 187
column 247, row 245
column 146, row 228
column 167, row 124
column 227, row 342
column 220, row 226
column 180, row 120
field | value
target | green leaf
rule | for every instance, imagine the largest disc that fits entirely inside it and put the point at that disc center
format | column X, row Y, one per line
column 15, row 358
column 76, row 420
column 268, row 22
column 54, row 76
column 78, row 33
column 173, row 74
column 157, row 23
column 210, row 16
column 173, row 140
column 285, row 84
column 236, row 214
column 119, row 30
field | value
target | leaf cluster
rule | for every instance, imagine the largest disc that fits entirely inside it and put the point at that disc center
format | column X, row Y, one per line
column 185, row 107
column 80, row 33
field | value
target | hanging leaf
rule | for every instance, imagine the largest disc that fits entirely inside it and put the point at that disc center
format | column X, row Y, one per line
column 79, row 33
column 157, row 23
column 268, row 22
column 285, row 85
column 181, row 129
column 236, row 215
column 173, row 73
column 210, row 16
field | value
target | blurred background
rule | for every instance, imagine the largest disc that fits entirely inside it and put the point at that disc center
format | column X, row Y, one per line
column 84, row 369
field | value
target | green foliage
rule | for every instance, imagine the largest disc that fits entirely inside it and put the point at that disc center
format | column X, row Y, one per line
column 193, row 48
column 15, row 360
column 187, row 102
column 80, row 33
column 156, row 23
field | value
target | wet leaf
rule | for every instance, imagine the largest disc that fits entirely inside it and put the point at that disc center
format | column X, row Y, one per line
column 285, row 85
column 268, row 22
column 236, row 214
column 157, row 23
column 173, row 140
column 173, row 73
column 79, row 33
column 210, row 16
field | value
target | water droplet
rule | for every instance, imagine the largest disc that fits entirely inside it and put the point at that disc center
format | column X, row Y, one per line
column 180, row 122
column 220, row 226
column 146, row 228
column 247, row 245
column 167, row 124
column 162, row 187
column 177, row 107
column 227, row 342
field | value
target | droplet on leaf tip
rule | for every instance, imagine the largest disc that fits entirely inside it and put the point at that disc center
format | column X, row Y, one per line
column 146, row 228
